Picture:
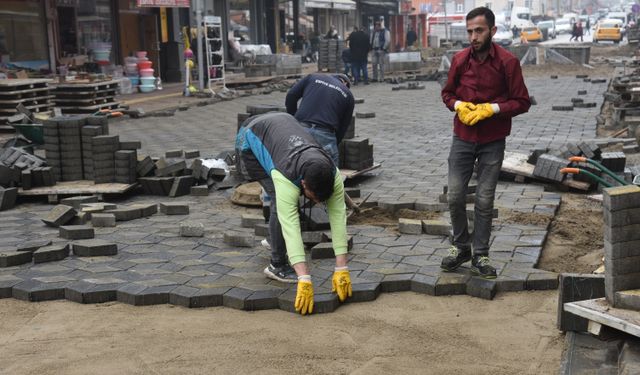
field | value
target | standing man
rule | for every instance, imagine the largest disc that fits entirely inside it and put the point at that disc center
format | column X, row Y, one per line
column 359, row 46
column 326, row 108
column 411, row 37
column 274, row 150
column 588, row 25
column 486, row 89
column 380, row 40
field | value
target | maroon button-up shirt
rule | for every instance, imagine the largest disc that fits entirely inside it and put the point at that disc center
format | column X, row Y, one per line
column 498, row 79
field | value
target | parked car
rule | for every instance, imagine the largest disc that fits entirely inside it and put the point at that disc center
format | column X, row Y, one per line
column 503, row 36
column 608, row 29
column 564, row 26
column 550, row 26
column 531, row 34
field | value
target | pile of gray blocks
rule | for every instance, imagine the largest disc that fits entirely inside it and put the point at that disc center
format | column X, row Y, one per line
column 622, row 246
column 330, row 55
column 355, row 154
column 79, row 147
column 18, row 167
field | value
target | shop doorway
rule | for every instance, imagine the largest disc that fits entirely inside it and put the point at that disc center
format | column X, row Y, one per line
column 67, row 31
column 139, row 32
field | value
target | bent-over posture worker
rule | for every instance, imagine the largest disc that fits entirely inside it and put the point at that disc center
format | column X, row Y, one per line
column 325, row 110
column 276, row 151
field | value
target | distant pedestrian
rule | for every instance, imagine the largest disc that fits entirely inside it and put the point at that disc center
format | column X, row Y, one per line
column 346, row 60
column 359, row 46
column 412, row 37
column 574, row 32
column 579, row 32
column 588, row 26
column 380, row 40
column 332, row 33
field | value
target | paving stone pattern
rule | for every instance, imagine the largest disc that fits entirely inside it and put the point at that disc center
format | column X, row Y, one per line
column 155, row 265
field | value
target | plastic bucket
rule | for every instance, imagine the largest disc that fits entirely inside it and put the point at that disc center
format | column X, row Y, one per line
column 141, row 54
column 144, row 65
column 146, row 88
column 146, row 72
column 146, row 81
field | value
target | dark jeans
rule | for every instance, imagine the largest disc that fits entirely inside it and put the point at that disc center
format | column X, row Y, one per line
column 359, row 69
column 276, row 240
column 251, row 169
column 462, row 158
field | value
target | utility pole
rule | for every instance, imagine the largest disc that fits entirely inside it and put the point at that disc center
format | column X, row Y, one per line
column 198, row 4
column 446, row 22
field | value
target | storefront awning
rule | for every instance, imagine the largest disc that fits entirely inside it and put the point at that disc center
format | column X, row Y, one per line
column 162, row 3
column 344, row 4
column 331, row 4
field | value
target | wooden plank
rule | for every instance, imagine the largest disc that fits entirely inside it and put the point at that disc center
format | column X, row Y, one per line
column 351, row 173
column 32, row 108
column 599, row 311
column 516, row 163
column 8, row 83
column 90, row 86
column 72, row 101
column 579, row 185
column 24, row 91
column 75, row 94
column 76, row 188
column 25, row 100
column 110, row 105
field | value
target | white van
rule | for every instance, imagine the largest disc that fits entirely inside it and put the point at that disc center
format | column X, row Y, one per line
column 521, row 17
column 622, row 16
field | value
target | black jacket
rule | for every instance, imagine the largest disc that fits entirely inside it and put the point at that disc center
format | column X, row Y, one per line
column 359, row 46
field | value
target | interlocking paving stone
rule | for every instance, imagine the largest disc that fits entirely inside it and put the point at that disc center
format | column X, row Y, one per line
column 12, row 258
column 92, row 248
column 76, row 232
column 151, row 248
column 51, row 253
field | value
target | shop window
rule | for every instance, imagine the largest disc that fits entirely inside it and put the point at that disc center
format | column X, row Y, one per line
column 240, row 20
column 94, row 26
column 459, row 8
column 23, row 34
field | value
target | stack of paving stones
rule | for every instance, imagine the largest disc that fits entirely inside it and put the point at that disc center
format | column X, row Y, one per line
column 330, row 56
column 173, row 178
column 8, row 198
column 126, row 162
column 622, row 246
column 104, row 148
column 20, row 168
column 356, row 154
column 80, row 148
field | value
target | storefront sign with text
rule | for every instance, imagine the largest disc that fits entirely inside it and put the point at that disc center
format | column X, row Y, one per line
column 163, row 3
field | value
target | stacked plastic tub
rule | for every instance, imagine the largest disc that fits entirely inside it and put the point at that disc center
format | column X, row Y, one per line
column 147, row 79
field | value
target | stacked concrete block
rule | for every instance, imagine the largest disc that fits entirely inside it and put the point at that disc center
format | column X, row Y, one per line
column 622, row 243
column 104, row 148
column 145, row 166
column 126, row 162
column 52, row 146
column 18, row 167
column 59, row 215
column 590, row 150
column 330, row 56
column 88, row 132
column 8, row 198
column 169, row 167
column 157, row 185
column 71, row 148
column 549, row 166
column 351, row 130
column 356, row 153
column 614, row 161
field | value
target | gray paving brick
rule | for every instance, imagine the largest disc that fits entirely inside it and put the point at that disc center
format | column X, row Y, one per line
column 191, row 229
column 14, row 258
column 59, row 215
column 76, row 232
column 51, row 253
column 101, row 220
column 174, row 208
column 481, row 288
column 93, row 248
column 240, row 239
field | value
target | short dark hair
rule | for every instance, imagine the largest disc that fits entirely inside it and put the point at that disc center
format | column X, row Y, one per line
column 483, row 11
column 319, row 177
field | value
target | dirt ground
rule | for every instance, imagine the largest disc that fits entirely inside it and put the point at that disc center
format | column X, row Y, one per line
column 575, row 242
column 380, row 217
column 399, row 333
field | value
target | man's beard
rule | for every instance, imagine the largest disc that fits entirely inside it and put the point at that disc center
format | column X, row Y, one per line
column 485, row 46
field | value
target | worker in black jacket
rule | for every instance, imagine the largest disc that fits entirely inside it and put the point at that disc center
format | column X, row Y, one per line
column 326, row 108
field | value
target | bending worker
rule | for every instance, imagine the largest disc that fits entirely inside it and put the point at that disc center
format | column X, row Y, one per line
column 325, row 110
column 276, row 151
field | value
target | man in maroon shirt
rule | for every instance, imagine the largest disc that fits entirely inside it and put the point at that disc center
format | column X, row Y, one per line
column 486, row 89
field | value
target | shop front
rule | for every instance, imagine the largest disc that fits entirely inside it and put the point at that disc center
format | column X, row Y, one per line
column 23, row 35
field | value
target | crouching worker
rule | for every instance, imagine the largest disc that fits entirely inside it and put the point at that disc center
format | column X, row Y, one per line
column 276, row 151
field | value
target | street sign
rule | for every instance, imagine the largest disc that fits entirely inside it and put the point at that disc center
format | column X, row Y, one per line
column 162, row 3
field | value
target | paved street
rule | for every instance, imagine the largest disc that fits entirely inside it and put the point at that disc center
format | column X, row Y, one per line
column 410, row 133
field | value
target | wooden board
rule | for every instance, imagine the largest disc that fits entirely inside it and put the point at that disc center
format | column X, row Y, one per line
column 77, row 188
column 92, row 86
column 516, row 163
column 6, row 84
column 27, row 100
column 599, row 311
column 32, row 108
column 247, row 81
column 75, row 94
column 91, row 108
column 24, row 92
column 350, row 173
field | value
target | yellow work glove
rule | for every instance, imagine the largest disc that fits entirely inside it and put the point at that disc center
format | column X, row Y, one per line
column 482, row 112
column 463, row 109
column 304, row 295
column 342, row 283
